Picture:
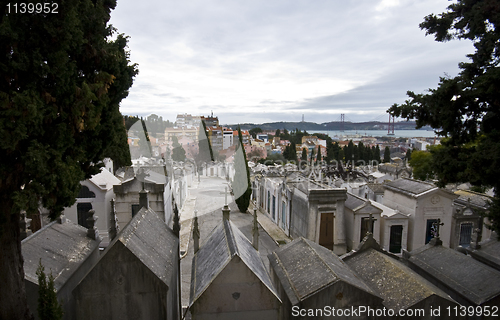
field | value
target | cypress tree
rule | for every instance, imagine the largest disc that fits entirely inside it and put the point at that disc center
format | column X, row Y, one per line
column 387, row 155
column 48, row 306
column 241, row 185
column 63, row 78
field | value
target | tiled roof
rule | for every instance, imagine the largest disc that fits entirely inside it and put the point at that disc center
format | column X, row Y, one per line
column 225, row 242
column 305, row 268
column 62, row 247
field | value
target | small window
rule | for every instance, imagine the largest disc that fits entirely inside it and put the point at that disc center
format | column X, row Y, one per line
column 396, row 239
column 82, row 210
column 465, row 234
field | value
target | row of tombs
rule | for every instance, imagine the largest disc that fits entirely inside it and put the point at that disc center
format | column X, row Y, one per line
column 138, row 275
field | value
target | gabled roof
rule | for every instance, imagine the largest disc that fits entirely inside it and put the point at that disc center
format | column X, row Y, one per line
column 62, row 248
column 397, row 284
column 305, row 268
column 224, row 243
column 355, row 203
column 410, row 186
column 152, row 242
column 466, row 276
column 104, row 180
column 466, row 197
column 488, row 253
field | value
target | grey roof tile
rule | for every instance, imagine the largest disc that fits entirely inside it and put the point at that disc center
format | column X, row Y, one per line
column 305, row 268
column 61, row 247
column 225, row 242
column 463, row 274
column 397, row 284
column 152, row 242
column 409, row 186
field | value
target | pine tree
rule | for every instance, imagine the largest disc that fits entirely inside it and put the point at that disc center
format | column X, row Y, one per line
column 293, row 151
column 48, row 306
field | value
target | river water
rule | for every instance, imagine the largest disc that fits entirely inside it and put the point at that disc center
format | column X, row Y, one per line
column 377, row 133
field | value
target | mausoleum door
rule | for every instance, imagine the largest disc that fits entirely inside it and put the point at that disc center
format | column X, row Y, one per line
column 82, row 210
column 326, row 230
column 395, row 238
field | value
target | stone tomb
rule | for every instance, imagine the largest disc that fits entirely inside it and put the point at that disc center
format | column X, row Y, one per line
column 66, row 250
column 399, row 286
column 229, row 279
column 466, row 280
column 309, row 276
column 137, row 275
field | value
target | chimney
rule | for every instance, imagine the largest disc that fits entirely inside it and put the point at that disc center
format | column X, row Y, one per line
column 143, row 199
column 225, row 212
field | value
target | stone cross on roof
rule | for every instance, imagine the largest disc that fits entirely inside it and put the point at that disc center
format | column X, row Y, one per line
column 225, row 193
column 371, row 223
column 436, row 226
column 141, row 176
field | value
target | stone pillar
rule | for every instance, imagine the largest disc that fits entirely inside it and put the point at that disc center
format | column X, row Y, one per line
column 113, row 222
column 225, row 212
column 92, row 232
column 196, row 233
column 143, row 199
column 255, row 228
column 339, row 241
column 475, row 239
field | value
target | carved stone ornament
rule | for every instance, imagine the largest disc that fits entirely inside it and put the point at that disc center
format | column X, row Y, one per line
column 435, row 199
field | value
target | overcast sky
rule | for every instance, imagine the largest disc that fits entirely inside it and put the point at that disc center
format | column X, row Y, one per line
column 275, row 60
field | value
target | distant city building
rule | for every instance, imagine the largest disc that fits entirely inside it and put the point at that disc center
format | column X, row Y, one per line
column 210, row 121
column 187, row 120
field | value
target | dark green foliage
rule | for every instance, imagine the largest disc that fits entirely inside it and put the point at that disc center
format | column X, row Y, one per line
column 408, row 155
column 303, row 156
column 241, row 166
column 48, row 306
column 421, row 164
column 376, row 155
column 293, row 151
column 178, row 152
column 62, row 81
column 318, row 157
column 387, row 155
column 274, row 158
column 465, row 108
column 254, row 132
column 289, row 153
column 61, row 86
